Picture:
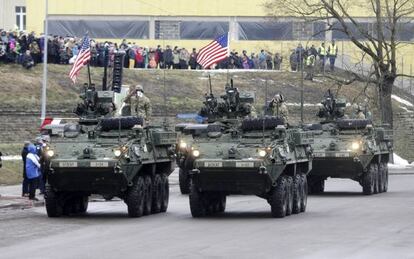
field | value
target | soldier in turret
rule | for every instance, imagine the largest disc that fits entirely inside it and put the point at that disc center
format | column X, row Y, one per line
column 139, row 103
column 359, row 113
column 278, row 107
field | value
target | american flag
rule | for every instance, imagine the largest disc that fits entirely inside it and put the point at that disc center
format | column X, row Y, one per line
column 214, row 52
column 82, row 59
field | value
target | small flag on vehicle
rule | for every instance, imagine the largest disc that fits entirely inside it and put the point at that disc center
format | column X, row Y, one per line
column 214, row 52
column 82, row 59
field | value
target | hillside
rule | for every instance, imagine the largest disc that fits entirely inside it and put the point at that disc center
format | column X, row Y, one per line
column 21, row 89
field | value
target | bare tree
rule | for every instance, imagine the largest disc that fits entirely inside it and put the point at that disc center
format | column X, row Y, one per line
column 380, row 43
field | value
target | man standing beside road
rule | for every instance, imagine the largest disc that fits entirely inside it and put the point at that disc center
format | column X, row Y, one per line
column 25, row 183
column 32, row 170
column 332, row 54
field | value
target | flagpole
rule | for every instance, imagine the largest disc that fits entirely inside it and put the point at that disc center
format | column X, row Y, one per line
column 44, row 84
column 228, row 54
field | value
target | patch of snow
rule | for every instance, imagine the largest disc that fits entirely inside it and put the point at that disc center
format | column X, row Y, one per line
column 402, row 101
column 305, row 104
column 399, row 162
column 405, row 109
column 11, row 158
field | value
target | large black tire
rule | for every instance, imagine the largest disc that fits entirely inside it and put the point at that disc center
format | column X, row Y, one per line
column 297, row 198
column 289, row 207
column 385, row 177
column 381, row 180
column 135, row 198
column 304, row 192
column 222, row 204
column 83, row 203
column 148, row 195
column 108, row 197
column 184, row 180
column 165, row 193
column 368, row 181
column 198, row 206
column 376, row 178
column 279, row 198
column 156, row 194
column 53, row 203
column 316, row 185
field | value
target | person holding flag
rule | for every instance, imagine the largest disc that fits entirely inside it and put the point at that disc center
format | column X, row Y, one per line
column 83, row 58
column 214, row 52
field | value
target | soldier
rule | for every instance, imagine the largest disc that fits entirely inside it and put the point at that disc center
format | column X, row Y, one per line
column 279, row 108
column 360, row 113
column 139, row 103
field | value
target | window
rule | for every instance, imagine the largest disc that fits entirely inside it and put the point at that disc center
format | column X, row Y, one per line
column 21, row 17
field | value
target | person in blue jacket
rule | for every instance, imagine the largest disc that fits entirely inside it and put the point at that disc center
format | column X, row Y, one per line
column 32, row 170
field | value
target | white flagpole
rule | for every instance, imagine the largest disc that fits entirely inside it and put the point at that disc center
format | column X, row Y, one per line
column 44, row 85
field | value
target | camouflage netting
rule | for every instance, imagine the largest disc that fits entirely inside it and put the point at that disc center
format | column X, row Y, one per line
column 258, row 123
column 121, row 123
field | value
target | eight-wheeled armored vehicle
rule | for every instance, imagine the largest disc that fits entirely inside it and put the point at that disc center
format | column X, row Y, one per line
column 258, row 157
column 110, row 156
column 231, row 105
column 349, row 148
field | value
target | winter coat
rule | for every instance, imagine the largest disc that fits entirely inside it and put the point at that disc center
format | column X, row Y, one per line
column 32, row 163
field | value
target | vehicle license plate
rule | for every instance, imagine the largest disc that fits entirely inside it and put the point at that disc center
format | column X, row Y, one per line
column 319, row 154
column 68, row 164
column 213, row 164
column 99, row 164
column 244, row 164
column 341, row 154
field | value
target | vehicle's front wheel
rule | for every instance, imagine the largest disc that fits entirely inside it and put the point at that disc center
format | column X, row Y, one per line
column 135, row 198
column 184, row 181
column 53, row 203
column 165, row 192
column 198, row 206
column 368, row 181
column 279, row 198
column 148, row 195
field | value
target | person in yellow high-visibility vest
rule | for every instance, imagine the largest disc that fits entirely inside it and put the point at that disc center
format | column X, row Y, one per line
column 310, row 65
column 332, row 54
column 322, row 52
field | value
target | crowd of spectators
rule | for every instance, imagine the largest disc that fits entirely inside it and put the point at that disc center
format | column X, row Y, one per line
column 27, row 49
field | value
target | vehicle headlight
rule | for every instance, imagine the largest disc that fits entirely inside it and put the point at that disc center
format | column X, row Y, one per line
column 196, row 153
column 262, row 153
column 117, row 152
column 183, row 145
column 355, row 146
column 50, row 153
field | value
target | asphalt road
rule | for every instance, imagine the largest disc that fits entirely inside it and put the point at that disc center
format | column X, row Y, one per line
column 342, row 223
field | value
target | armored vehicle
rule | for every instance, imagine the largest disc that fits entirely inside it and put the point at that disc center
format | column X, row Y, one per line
column 110, row 156
column 230, row 106
column 349, row 148
column 258, row 157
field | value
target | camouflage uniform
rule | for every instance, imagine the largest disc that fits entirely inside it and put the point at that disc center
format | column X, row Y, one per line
column 280, row 109
column 360, row 115
column 140, row 105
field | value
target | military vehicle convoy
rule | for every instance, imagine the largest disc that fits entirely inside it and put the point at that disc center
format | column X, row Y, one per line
column 349, row 148
column 110, row 156
column 235, row 154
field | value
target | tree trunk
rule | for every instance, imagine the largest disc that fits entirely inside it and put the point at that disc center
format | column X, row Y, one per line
column 386, row 100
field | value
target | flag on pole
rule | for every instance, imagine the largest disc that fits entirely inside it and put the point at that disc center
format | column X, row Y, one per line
column 214, row 52
column 82, row 59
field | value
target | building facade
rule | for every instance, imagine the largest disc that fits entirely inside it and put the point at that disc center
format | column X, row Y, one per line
column 13, row 15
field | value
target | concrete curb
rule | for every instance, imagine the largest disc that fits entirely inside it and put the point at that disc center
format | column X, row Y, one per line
column 19, row 203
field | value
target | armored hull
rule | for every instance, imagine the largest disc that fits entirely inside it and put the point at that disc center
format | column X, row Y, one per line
column 130, row 163
column 270, row 163
column 351, row 149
